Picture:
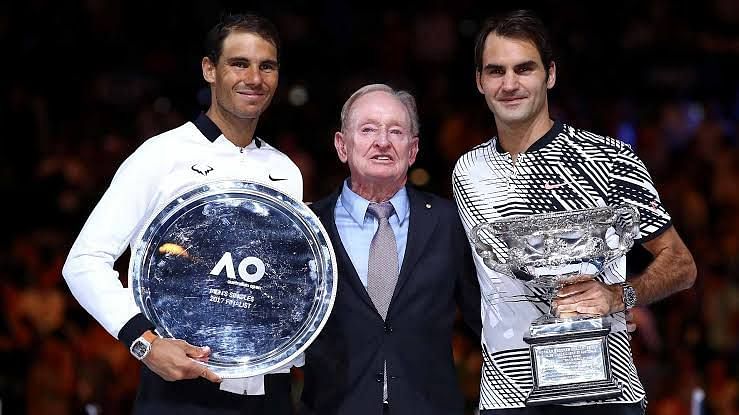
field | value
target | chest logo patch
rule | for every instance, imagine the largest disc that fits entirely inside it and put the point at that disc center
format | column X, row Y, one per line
column 201, row 168
column 276, row 179
column 551, row 186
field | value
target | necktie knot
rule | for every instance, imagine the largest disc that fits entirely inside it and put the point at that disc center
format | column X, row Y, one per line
column 380, row 210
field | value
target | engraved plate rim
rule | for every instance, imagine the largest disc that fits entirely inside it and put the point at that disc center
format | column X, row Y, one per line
column 316, row 317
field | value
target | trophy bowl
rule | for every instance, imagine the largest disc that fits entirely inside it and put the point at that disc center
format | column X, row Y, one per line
column 569, row 354
column 237, row 266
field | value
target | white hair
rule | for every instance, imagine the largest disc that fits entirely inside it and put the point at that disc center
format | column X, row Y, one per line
column 404, row 97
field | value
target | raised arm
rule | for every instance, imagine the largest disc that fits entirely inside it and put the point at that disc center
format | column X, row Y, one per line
column 672, row 269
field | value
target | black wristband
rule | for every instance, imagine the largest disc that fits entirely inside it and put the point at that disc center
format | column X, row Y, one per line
column 133, row 329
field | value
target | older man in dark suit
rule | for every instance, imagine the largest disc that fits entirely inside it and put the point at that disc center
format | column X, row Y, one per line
column 404, row 264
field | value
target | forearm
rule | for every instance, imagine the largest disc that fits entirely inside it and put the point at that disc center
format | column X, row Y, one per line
column 672, row 270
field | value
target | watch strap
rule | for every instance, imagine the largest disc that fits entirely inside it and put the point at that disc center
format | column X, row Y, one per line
column 149, row 336
column 133, row 328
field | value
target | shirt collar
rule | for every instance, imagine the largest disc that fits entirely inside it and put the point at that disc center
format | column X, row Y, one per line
column 211, row 131
column 356, row 205
column 547, row 138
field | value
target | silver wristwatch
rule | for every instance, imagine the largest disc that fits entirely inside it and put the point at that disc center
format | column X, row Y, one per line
column 629, row 296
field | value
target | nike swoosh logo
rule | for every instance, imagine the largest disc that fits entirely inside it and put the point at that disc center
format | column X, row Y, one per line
column 552, row 186
column 275, row 179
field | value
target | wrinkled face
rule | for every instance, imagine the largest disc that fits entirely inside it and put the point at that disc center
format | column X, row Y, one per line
column 513, row 80
column 244, row 79
column 378, row 145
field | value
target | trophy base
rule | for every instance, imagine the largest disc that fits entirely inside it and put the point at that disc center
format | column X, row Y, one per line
column 570, row 361
column 577, row 392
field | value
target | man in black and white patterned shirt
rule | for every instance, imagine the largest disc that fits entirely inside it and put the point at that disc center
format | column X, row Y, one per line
column 537, row 165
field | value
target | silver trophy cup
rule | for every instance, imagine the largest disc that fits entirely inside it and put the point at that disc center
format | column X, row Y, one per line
column 569, row 354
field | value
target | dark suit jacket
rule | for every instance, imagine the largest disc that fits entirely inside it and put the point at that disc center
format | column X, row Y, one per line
column 343, row 369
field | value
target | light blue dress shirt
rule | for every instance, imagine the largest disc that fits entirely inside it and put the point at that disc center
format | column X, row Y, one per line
column 357, row 227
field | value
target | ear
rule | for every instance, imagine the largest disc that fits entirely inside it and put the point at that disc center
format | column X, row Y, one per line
column 552, row 76
column 413, row 151
column 478, row 75
column 340, row 144
column 209, row 70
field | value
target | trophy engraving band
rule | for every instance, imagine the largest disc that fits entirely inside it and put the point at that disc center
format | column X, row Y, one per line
column 237, row 266
column 570, row 362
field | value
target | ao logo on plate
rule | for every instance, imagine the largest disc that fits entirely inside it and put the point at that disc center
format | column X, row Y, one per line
column 244, row 270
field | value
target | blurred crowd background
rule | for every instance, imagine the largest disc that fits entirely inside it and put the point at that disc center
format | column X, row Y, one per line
column 87, row 81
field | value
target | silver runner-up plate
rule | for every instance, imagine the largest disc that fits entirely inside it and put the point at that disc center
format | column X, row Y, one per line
column 240, row 267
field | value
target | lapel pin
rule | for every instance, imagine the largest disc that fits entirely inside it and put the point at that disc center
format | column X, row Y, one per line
column 428, row 205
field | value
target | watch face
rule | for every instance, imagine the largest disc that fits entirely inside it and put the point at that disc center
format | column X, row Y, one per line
column 629, row 296
column 139, row 349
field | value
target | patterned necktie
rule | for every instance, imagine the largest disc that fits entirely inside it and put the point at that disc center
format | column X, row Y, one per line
column 382, row 269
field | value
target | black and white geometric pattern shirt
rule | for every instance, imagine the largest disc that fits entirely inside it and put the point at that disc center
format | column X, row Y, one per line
column 566, row 169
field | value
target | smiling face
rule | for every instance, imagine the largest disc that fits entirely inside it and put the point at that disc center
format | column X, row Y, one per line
column 378, row 144
column 514, row 81
column 244, row 79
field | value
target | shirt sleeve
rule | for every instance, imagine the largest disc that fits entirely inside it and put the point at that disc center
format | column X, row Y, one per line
column 631, row 183
column 106, row 234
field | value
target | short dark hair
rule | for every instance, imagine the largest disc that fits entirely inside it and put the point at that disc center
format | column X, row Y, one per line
column 244, row 23
column 518, row 24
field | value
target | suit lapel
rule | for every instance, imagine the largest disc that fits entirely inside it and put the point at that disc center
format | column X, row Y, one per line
column 423, row 220
column 347, row 272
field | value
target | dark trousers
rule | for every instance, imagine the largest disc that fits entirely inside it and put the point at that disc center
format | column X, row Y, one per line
column 201, row 397
column 605, row 409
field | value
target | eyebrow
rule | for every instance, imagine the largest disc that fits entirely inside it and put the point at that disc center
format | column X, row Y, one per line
column 237, row 59
column 525, row 65
column 522, row 65
column 391, row 124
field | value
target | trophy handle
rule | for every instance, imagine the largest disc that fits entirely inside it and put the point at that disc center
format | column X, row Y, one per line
column 486, row 251
column 626, row 227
